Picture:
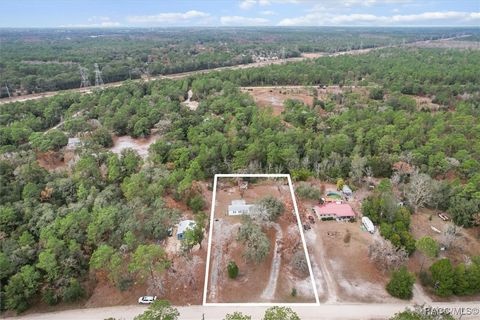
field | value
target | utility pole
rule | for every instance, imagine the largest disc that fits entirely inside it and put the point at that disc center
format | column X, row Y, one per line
column 98, row 76
column 84, row 75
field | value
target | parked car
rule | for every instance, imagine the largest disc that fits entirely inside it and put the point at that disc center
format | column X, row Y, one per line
column 147, row 299
column 443, row 216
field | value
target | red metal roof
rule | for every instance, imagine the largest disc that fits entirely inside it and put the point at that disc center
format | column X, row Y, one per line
column 338, row 209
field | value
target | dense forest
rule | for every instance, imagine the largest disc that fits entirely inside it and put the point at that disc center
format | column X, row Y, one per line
column 105, row 209
column 47, row 60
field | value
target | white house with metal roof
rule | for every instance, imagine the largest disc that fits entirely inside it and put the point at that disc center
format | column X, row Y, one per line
column 184, row 226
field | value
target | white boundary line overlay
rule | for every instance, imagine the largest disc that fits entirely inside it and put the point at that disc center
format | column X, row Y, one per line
column 300, row 227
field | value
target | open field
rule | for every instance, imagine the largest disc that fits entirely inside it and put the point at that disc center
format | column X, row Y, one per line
column 140, row 145
column 271, row 280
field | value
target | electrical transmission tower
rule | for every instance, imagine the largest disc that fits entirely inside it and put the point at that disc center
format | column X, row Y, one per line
column 84, row 75
column 98, row 76
column 8, row 91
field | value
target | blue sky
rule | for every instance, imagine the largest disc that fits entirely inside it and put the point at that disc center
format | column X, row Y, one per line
column 160, row 13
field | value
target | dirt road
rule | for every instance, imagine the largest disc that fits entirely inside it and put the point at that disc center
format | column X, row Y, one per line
column 269, row 292
column 186, row 74
column 324, row 311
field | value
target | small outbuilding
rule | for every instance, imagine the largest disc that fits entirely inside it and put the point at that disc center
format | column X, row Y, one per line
column 333, row 210
column 368, row 224
column 239, row 207
column 184, row 226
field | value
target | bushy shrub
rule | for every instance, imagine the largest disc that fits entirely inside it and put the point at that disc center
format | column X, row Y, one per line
column 73, row 292
column 232, row 270
column 308, row 192
column 196, row 203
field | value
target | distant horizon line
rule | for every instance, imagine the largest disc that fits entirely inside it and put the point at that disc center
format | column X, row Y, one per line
column 244, row 27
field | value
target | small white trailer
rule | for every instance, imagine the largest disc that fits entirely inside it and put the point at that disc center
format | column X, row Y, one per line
column 368, row 224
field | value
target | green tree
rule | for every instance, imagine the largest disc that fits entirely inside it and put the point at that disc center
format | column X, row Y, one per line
column 269, row 208
column 257, row 245
column 401, row 284
column 280, row 313
column 148, row 260
column 114, row 173
column 196, row 203
column 47, row 262
column 428, row 246
column 6, row 266
column 108, row 259
column 135, row 186
column 141, row 128
column 195, row 235
column 376, row 94
column 237, row 316
column 87, row 172
column 419, row 314
column 21, row 288
column 9, row 218
column 73, row 291
column 159, row 310
column 443, row 277
column 102, row 137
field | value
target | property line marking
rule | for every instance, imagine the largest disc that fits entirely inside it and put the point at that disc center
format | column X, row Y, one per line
column 210, row 235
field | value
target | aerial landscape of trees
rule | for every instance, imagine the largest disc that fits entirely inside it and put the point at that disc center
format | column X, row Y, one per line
column 38, row 60
column 105, row 213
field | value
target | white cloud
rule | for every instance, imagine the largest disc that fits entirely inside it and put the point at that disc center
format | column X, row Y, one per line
column 248, row 4
column 171, row 17
column 268, row 13
column 368, row 3
column 243, row 21
column 95, row 22
column 319, row 18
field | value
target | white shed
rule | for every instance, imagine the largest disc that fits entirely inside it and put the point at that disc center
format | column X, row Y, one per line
column 239, row 207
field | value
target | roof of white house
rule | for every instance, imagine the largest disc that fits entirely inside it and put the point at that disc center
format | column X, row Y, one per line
column 185, row 225
column 239, row 205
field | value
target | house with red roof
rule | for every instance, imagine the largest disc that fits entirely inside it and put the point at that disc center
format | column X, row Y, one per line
column 334, row 210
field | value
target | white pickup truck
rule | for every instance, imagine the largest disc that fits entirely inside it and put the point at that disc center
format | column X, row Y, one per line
column 147, row 299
